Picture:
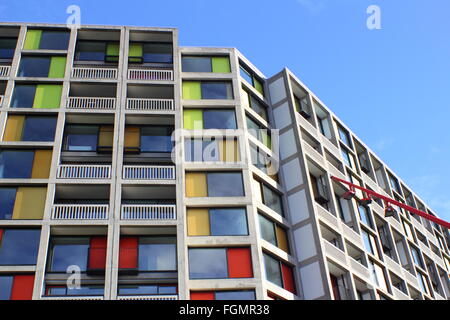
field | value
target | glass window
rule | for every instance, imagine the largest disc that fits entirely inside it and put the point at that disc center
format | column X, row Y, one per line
column 156, row 139
column 39, row 129
column 81, row 138
column 344, row 136
column 416, row 257
column 147, row 289
column 259, row 132
column 197, row 150
column 367, row 242
column 90, row 51
column 267, row 229
column 394, row 183
column 273, row 270
column 7, row 200
column 216, row 90
column 272, row 199
column 258, row 107
column 157, row 254
column 83, row 290
column 69, row 251
column 7, row 48
column 16, row 164
column 54, row 40
column 228, row 222
column 196, row 64
column 346, row 157
column 235, row 295
column 158, row 52
column 6, row 283
column 219, row 119
column 19, row 246
column 246, row 75
column 23, row 96
column 364, row 215
column 34, row 67
column 207, row 263
column 225, row 184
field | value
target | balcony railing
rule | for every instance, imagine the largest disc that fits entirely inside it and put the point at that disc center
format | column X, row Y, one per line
column 149, row 172
column 148, row 212
column 4, row 71
column 80, row 211
column 91, row 103
column 94, row 73
column 152, row 297
column 150, row 104
column 69, row 171
column 150, row 74
column 72, row 298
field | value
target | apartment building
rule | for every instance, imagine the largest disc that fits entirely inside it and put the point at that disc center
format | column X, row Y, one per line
column 133, row 168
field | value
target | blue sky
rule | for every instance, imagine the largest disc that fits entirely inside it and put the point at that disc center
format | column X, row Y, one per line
column 390, row 86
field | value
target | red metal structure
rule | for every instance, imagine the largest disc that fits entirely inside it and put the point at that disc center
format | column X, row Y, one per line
column 387, row 200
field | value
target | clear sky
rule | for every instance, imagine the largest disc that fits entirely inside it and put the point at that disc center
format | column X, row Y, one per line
column 390, row 86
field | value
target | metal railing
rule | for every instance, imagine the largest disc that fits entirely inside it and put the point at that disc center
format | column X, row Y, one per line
column 4, row 71
column 86, row 171
column 91, row 103
column 94, row 73
column 150, row 74
column 150, row 104
column 149, row 297
column 149, row 172
column 148, row 212
column 72, row 298
column 80, row 211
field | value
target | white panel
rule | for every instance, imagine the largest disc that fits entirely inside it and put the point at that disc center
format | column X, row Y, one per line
column 287, row 144
column 277, row 90
column 304, row 242
column 292, row 174
column 298, row 207
column 282, row 116
column 311, row 279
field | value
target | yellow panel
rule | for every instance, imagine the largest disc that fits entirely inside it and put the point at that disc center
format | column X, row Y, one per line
column 229, row 151
column 14, row 128
column 282, row 239
column 132, row 137
column 198, row 222
column 106, row 135
column 30, row 203
column 41, row 164
column 196, row 184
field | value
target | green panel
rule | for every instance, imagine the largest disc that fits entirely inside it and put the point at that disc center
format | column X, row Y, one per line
column 221, row 65
column 136, row 52
column 48, row 96
column 192, row 90
column 112, row 52
column 266, row 139
column 32, row 40
column 258, row 86
column 193, row 119
column 57, row 67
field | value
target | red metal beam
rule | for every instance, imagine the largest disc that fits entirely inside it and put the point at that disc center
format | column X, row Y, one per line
column 395, row 202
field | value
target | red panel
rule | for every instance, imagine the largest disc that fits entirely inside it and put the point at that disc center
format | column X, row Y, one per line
column 97, row 253
column 202, row 295
column 288, row 278
column 128, row 255
column 239, row 263
column 22, row 287
column 1, row 235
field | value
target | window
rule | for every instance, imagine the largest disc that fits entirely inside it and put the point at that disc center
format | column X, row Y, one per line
column 344, row 136
column 46, row 39
column 29, row 128
column 416, row 257
column 147, row 289
column 209, row 119
column 394, row 183
column 157, row 53
column 273, row 233
column 19, row 246
column 302, row 106
column 7, row 48
column 6, row 283
column 22, row 203
column 377, row 275
column 36, row 66
column 220, row 263
column 259, row 132
column 68, row 251
column 263, row 162
column 196, row 90
column 16, row 164
column 348, row 158
column 214, row 184
column 81, row 138
column 223, row 295
column 217, row 222
column 369, row 243
column 423, row 283
column 156, row 139
column 320, row 190
column 83, row 290
column 41, row 96
column 90, row 51
column 197, row 150
column 205, row 64
column 364, row 215
column 16, row 287
column 279, row 273
column 7, row 200
column 249, row 100
column 269, row 197
column 252, row 79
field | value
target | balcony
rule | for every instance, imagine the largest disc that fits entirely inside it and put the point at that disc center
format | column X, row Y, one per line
column 149, row 104
column 91, row 103
column 94, row 73
column 69, row 171
column 149, row 172
column 150, row 74
column 4, row 71
column 148, row 212
column 80, row 211
column 152, row 297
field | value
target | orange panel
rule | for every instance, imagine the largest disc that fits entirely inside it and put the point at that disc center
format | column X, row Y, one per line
column 239, row 263
column 202, row 295
column 288, row 278
column 22, row 287
column 128, row 255
column 97, row 253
